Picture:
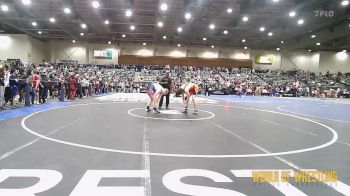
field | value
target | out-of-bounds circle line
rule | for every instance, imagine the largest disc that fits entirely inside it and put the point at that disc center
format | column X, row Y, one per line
column 297, row 113
column 212, row 115
column 332, row 141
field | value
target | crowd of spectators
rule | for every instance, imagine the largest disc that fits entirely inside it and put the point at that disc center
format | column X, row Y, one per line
column 300, row 83
column 71, row 81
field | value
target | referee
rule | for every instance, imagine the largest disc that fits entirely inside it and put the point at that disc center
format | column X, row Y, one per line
column 165, row 82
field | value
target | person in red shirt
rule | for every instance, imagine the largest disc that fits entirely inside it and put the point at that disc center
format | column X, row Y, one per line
column 72, row 87
column 36, row 84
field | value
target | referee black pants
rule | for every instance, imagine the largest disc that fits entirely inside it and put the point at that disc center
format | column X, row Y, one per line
column 166, row 102
column 7, row 95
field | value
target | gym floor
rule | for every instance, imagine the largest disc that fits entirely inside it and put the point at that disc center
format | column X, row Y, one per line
column 216, row 148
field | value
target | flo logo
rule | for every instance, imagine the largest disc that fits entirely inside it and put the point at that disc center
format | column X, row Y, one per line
column 324, row 14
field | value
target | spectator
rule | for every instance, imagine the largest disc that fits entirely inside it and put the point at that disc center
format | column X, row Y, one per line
column 2, row 88
column 7, row 93
column 14, row 86
column 36, row 84
column 43, row 87
column 72, row 87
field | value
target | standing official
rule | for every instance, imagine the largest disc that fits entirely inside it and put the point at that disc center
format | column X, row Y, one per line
column 165, row 82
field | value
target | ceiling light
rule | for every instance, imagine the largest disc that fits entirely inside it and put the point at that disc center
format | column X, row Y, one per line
column 106, row 22
column 144, row 44
column 278, row 49
column 262, row 29
column 164, row 37
column 300, row 21
column 204, row 39
column 26, row 2
column 292, row 14
column 345, row 3
column 275, row 0
column 282, row 42
column 81, row 34
column 313, row 36
column 211, row 26
column 123, row 35
column 132, row 27
column 342, row 56
column 163, row 7
column 270, row 34
column 229, row 10
column 83, row 26
column 212, row 46
column 95, row 4
column 34, row 24
column 178, row 45
column 73, row 41
column 52, row 20
column 245, row 19
column 128, row 13
column 179, row 29
column 4, row 8
column 345, row 51
column 67, row 10
column 188, row 16
column 39, row 32
column 243, row 40
column 160, row 24
column 109, row 42
column 309, row 50
column 245, row 48
column 225, row 32
column 318, row 43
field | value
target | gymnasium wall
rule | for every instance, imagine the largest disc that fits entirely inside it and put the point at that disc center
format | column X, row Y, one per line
column 70, row 51
column 38, row 50
column 334, row 62
column 26, row 48
column 300, row 60
column 14, row 47
column 288, row 60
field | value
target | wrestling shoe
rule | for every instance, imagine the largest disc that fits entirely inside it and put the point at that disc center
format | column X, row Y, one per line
column 147, row 109
column 195, row 112
column 155, row 111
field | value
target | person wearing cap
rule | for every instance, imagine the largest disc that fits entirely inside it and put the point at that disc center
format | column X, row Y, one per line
column 166, row 82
